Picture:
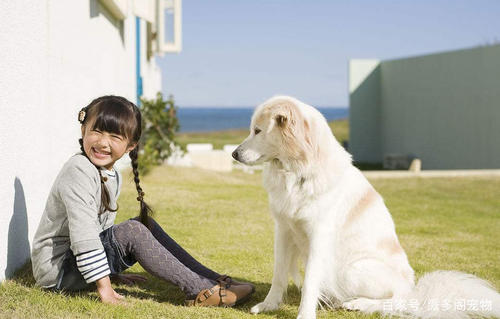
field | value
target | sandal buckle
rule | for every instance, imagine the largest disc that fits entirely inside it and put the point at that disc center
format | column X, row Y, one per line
column 207, row 294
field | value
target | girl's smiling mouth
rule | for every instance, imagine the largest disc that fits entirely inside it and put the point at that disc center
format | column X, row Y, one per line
column 100, row 154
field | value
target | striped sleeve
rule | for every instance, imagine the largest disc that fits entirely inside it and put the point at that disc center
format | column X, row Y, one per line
column 93, row 265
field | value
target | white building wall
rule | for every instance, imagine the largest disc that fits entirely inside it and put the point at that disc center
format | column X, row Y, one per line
column 56, row 56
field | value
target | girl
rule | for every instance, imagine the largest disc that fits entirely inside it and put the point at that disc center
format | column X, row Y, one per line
column 77, row 245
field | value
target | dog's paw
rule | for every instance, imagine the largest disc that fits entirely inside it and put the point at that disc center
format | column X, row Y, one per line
column 263, row 307
column 307, row 316
column 360, row 304
column 349, row 305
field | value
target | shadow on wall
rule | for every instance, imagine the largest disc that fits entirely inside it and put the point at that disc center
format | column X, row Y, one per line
column 96, row 9
column 365, row 121
column 18, row 251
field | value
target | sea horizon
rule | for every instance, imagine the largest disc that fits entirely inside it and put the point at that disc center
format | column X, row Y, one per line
column 218, row 118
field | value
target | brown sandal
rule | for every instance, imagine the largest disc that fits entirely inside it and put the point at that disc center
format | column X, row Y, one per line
column 224, row 294
column 233, row 282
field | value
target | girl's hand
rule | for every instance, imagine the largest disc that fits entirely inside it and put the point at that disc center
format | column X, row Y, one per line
column 128, row 279
column 107, row 293
column 111, row 297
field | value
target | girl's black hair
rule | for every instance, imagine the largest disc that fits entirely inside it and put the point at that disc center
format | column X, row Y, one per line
column 116, row 114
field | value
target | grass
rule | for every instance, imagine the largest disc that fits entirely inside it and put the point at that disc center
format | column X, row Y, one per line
column 223, row 220
column 220, row 138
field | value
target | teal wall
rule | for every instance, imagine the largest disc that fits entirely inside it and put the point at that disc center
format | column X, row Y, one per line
column 442, row 108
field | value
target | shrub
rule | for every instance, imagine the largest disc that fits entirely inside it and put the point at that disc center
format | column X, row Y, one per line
column 159, row 125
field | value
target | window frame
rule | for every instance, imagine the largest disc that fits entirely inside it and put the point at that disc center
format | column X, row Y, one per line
column 176, row 45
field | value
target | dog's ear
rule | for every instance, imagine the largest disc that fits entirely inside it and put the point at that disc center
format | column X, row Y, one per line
column 281, row 120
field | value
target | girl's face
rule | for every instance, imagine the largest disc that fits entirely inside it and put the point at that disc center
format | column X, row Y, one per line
column 102, row 148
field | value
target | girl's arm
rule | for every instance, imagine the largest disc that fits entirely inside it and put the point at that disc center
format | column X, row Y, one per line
column 106, row 292
column 78, row 187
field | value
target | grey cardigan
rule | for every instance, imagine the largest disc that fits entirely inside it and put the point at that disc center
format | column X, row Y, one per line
column 70, row 219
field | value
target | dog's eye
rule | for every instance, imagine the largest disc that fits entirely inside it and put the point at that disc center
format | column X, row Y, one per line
column 256, row 131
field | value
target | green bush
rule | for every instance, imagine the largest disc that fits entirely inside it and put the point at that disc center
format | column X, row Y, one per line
column 159, row 125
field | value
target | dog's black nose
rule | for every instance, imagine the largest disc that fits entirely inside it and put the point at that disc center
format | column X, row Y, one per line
column 235, row 154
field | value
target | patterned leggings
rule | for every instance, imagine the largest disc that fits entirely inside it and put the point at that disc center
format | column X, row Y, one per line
column 162, row 257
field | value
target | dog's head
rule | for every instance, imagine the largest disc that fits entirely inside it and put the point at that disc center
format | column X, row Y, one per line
column 280, row 129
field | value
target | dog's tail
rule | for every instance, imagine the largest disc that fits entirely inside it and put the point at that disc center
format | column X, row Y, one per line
column 447, row 294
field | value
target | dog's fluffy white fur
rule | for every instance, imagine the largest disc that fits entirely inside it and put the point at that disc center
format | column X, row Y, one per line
column 329, row 215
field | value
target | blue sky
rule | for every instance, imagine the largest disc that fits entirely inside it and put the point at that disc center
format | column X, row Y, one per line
column 240, row 52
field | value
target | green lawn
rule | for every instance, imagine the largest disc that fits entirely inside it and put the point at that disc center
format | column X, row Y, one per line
column 223, row 220
column 339, row 127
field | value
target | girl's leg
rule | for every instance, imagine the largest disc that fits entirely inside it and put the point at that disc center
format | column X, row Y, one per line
column 179, row 252
column 136, row 239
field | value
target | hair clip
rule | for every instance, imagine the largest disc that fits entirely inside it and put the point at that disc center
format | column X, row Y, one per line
column 81, row 116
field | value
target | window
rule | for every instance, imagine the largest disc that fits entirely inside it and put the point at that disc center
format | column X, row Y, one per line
column 169, row 26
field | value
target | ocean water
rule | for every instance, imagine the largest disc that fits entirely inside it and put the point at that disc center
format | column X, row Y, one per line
column 207, row 119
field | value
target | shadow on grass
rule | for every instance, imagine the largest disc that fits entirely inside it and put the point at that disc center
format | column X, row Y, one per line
column 162, row 292
column 152, row 289
column 24, row 275
column 156, row 290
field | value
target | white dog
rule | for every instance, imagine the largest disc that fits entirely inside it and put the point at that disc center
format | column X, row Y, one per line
column 327, row 213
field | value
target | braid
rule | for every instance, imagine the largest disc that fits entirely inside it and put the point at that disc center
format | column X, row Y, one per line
column 105, row 196
column 81, row 146
column 145, row 209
